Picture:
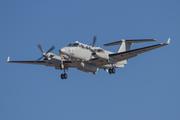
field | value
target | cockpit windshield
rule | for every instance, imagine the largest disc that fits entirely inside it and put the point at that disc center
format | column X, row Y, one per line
column 73, row 45
column 70, row 44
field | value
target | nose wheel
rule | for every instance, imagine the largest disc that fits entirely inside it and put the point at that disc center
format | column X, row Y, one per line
column 64, row 76
column 112, row 70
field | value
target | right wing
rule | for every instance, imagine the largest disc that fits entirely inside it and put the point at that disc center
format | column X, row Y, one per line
column 132, row 53
column 27, row 62
column 66, row 63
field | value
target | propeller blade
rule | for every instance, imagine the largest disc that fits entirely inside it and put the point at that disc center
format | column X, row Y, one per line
column 40, row 48
column 50, row 49
column 94, row 41
column 39, row 58
column 44, row 54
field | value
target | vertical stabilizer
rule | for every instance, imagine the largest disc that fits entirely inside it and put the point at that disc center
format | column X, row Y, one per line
column 125, row 46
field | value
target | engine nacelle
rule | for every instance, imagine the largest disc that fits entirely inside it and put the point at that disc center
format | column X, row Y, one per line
column 86, row 67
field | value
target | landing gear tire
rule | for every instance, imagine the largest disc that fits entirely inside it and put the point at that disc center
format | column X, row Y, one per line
column 112, row 70
column 65, row 76
column 62, row 76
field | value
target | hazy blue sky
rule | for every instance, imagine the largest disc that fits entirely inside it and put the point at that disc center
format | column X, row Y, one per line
column 147, row 88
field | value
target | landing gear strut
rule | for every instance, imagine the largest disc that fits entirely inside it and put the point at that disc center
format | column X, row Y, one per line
column 64, row 76
column 112, row 70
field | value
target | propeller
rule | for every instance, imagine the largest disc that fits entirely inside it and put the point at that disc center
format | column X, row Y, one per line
column 94, row 41
column 95, row 49
column 39, row 58
column 40, row 48
column 43, row 53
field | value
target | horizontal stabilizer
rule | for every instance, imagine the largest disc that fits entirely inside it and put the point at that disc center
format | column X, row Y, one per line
column 130, row 41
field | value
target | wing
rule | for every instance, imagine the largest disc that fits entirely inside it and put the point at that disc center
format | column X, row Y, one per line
column 132, row 53
column 68, row 64
column 27, row 62
column 98, row 61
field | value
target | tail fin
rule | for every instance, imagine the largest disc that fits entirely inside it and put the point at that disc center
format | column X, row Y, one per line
column 125, row 46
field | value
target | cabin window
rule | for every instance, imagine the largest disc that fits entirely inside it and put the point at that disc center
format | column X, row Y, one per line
column 99, row 50
column 87, row 47
column 83, row 46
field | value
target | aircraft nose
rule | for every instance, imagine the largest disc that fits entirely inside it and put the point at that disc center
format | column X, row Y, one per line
column 62, row 50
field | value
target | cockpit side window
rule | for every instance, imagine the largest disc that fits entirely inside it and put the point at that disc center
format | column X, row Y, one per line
column 99, row 50
column 82, row 46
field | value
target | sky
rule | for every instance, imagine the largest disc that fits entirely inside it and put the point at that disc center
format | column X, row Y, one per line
column 147, row 88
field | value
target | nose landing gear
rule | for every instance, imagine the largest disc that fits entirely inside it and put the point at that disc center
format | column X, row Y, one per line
column 64, row 76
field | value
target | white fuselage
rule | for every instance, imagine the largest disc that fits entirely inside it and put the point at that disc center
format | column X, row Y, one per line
column 83, row 52
column 82, row 55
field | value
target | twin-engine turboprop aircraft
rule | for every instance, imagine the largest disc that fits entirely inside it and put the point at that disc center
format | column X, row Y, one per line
column 90, row 58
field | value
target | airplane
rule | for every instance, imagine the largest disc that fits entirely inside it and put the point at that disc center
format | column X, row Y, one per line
column 89, row 58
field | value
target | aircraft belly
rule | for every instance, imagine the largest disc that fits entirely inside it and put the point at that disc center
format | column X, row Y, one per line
column 86, row 67
column 110, row 66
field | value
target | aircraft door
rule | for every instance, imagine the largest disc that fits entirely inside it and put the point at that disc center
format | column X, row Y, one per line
column 70, row 50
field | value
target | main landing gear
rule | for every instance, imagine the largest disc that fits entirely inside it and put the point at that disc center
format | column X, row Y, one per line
column 64, row 76
column 112, row 70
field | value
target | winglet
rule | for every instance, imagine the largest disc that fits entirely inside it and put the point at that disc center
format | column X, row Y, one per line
column 168, row 41
column 8, row 59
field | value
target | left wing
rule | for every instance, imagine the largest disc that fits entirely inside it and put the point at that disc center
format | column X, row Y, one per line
column 98, row 61
column 132, row 53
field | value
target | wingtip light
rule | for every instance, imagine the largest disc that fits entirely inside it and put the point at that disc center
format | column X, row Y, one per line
column 8, row 59
column 168, row 41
